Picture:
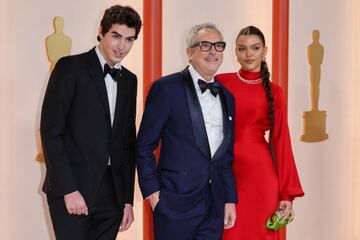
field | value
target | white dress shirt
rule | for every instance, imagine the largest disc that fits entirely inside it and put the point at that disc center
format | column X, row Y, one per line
column 111, row 86
column 212, row 112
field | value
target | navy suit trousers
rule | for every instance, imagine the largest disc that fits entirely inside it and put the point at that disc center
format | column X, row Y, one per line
column 197, row 223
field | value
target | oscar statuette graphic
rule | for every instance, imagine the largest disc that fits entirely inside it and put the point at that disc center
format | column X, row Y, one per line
column 58, row 45
column 315, row 120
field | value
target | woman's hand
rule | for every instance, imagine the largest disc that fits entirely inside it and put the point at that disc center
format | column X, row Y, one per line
column 286, row 208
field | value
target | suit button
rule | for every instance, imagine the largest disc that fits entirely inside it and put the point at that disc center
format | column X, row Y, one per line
column 210, row 181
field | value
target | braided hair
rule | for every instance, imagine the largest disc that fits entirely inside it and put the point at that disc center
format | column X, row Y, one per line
column 265, row 74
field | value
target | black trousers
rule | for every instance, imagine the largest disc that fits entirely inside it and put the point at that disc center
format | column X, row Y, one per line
column 103, row 220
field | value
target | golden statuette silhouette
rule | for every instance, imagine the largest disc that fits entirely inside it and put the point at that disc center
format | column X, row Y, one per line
column 58, row 44
column 315, row 120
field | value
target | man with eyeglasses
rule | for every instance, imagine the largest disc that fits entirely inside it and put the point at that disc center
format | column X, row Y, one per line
column 192, row 189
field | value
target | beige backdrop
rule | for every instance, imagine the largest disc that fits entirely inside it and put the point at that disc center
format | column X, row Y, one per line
column 329, row 170
column 229, row 15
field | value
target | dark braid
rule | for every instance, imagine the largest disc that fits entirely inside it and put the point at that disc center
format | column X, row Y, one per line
column 265, row 74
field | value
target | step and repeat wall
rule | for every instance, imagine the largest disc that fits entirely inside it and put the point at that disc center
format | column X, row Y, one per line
column 324, row 54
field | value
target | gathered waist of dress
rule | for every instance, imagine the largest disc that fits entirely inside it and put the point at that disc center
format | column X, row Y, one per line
column 249, row 136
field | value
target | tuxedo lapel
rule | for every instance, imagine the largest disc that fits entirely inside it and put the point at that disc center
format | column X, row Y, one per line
column 226, row 126
column 97, row 76
column 196, row 115
column 122, row 88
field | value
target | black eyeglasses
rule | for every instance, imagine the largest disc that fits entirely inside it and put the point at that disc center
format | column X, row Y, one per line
column 205, row 46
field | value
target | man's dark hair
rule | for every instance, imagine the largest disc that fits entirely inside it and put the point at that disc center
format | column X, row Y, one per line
column 118, row 14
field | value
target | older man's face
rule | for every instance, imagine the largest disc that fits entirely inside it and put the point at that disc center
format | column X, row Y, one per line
column 206, row 63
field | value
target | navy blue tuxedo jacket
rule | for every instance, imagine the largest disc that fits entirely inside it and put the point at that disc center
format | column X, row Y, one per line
column 185, row 167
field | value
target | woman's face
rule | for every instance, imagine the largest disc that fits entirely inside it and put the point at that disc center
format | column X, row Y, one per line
column 250, row 51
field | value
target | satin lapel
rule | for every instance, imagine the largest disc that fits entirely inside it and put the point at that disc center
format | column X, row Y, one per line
column 98, row 79
column 122, row 88
column 226, row 126
column 196, row 115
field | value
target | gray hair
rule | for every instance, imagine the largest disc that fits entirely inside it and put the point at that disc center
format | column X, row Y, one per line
column 194, row 30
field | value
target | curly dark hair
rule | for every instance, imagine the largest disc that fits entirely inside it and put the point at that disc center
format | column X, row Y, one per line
column 118, row 14
column 265, row 74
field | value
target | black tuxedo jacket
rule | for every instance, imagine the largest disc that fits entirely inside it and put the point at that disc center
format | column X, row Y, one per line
column 76, row 130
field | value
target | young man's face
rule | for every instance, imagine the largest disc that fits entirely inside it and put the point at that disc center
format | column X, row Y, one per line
column 116, row 43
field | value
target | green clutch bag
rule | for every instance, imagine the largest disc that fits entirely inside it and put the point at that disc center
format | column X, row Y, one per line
column 276, row 221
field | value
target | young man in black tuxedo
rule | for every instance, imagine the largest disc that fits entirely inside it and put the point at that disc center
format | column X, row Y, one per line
column 88, row 134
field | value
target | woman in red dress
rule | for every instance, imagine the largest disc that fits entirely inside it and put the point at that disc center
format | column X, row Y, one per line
column 264, row 184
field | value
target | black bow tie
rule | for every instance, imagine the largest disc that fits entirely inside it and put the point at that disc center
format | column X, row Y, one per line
column 214, row 87
column 114, row 72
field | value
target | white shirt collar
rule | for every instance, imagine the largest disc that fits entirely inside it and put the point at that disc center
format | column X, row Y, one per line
column 103, row 61
column 196, row 76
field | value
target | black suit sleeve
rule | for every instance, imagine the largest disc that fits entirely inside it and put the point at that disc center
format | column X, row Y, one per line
column 130, row 149
column 55, row 109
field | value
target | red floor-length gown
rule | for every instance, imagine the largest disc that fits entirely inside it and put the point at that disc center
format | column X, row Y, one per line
column 260, row 184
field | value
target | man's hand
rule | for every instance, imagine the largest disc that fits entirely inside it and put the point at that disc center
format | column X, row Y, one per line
column 285, row 208
column 154, row 199
column 127, row 219
column 75, row 203
column 230, row 215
